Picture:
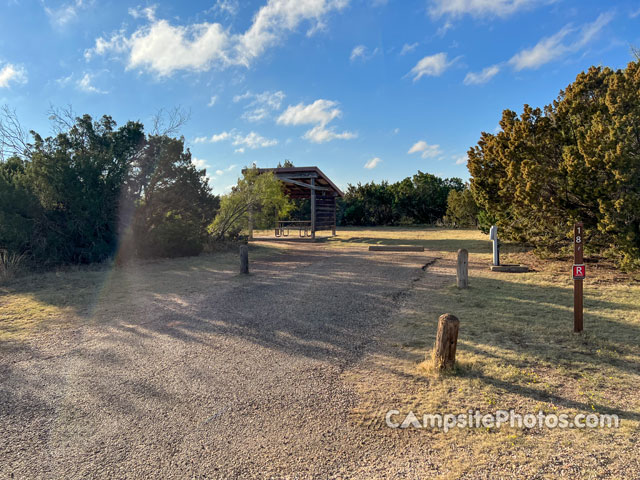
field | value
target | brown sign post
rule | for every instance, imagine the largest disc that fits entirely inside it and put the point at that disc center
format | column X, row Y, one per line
column 579, row 274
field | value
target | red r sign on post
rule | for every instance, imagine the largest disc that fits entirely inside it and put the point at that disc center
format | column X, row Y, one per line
column 579, row 272
column 578, row 276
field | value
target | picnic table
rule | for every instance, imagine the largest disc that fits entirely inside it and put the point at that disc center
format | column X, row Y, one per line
column 284, row 227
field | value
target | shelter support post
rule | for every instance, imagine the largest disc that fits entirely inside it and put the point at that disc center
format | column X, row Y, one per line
column 313, row 208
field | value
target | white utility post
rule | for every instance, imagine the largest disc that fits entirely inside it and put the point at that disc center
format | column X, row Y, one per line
column 493, row 235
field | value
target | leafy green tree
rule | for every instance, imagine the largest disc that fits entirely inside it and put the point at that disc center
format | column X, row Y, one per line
column 256, row 195
column 576, row 159
column 78, row 176
column 461, row 208
column 175, row 204
column 418, row 199
column 20, row 211
column 91, row 189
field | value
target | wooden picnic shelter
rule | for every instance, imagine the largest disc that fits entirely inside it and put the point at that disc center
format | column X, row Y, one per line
column 308, row 183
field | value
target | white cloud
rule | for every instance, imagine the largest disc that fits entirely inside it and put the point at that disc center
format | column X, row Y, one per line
column 425, row 150
column 163, row 48
column 319, row 113
column 544, row 51
column 253, row 141
column 117, row 44
column 230, row 168
column 64, row 81
column 554, row 47
column 218, row 137
column 228, row 7
column 260, row 105
column 215, row 138
column 461, row 160
column 321, row 134
column 373, row 163
column 11, row 73
column 65, row 13
column 85, row 85
column 634, row 14
column 396, row 131
column 482, row 77
column 198, row 162
column 432, row 65
column 444, row 29
column 361, row 52
column 408, row 48
column 147, row 12
column 212, row 101
column 357, row 52
column 481, row 8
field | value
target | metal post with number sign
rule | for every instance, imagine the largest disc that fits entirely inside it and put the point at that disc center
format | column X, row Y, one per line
column 579, row 274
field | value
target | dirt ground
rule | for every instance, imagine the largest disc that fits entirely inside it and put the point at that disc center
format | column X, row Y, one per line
column 242, row 380
column 185, row 369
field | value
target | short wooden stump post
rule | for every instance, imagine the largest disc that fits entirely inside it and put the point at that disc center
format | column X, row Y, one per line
column 244, row 259
column 462, row 273
column 444, row 353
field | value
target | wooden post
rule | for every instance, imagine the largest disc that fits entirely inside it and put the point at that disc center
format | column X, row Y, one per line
column 335, row 206
column 462, row 273
column 244, row 259
column 313, row 208
column 444, row 353
column 578, row 260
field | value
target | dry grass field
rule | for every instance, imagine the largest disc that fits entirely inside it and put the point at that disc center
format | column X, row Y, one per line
column 516, row 350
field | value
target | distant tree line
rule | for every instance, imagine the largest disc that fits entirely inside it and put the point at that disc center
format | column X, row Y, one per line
column 93, row 189
column 420, row 199
column 577, row 159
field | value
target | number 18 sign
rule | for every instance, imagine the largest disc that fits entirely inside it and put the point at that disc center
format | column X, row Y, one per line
column 579, row 274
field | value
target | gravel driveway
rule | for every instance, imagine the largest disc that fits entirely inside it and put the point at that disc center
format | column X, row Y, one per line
column 241, row 381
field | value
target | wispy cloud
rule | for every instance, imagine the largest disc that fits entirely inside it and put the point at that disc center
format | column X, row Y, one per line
column 227, row 7
column 425, row 150
column 253, row 141
column 319, row 113
column 482, row 77
column 481, row 8
column 566, row 41
column 67, row 12
column 163, row 48
column 215, row 138
column 554, row 47
column 373, row 163
column 212, row 101
column 408, row 48
column 12, row 74
column 357, row 52
column 432, row 66
column 362, row 53
column 260, row 105
column 221, row 171
column 85, row 85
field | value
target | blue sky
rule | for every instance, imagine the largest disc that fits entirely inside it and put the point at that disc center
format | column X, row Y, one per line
column 364, row 89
